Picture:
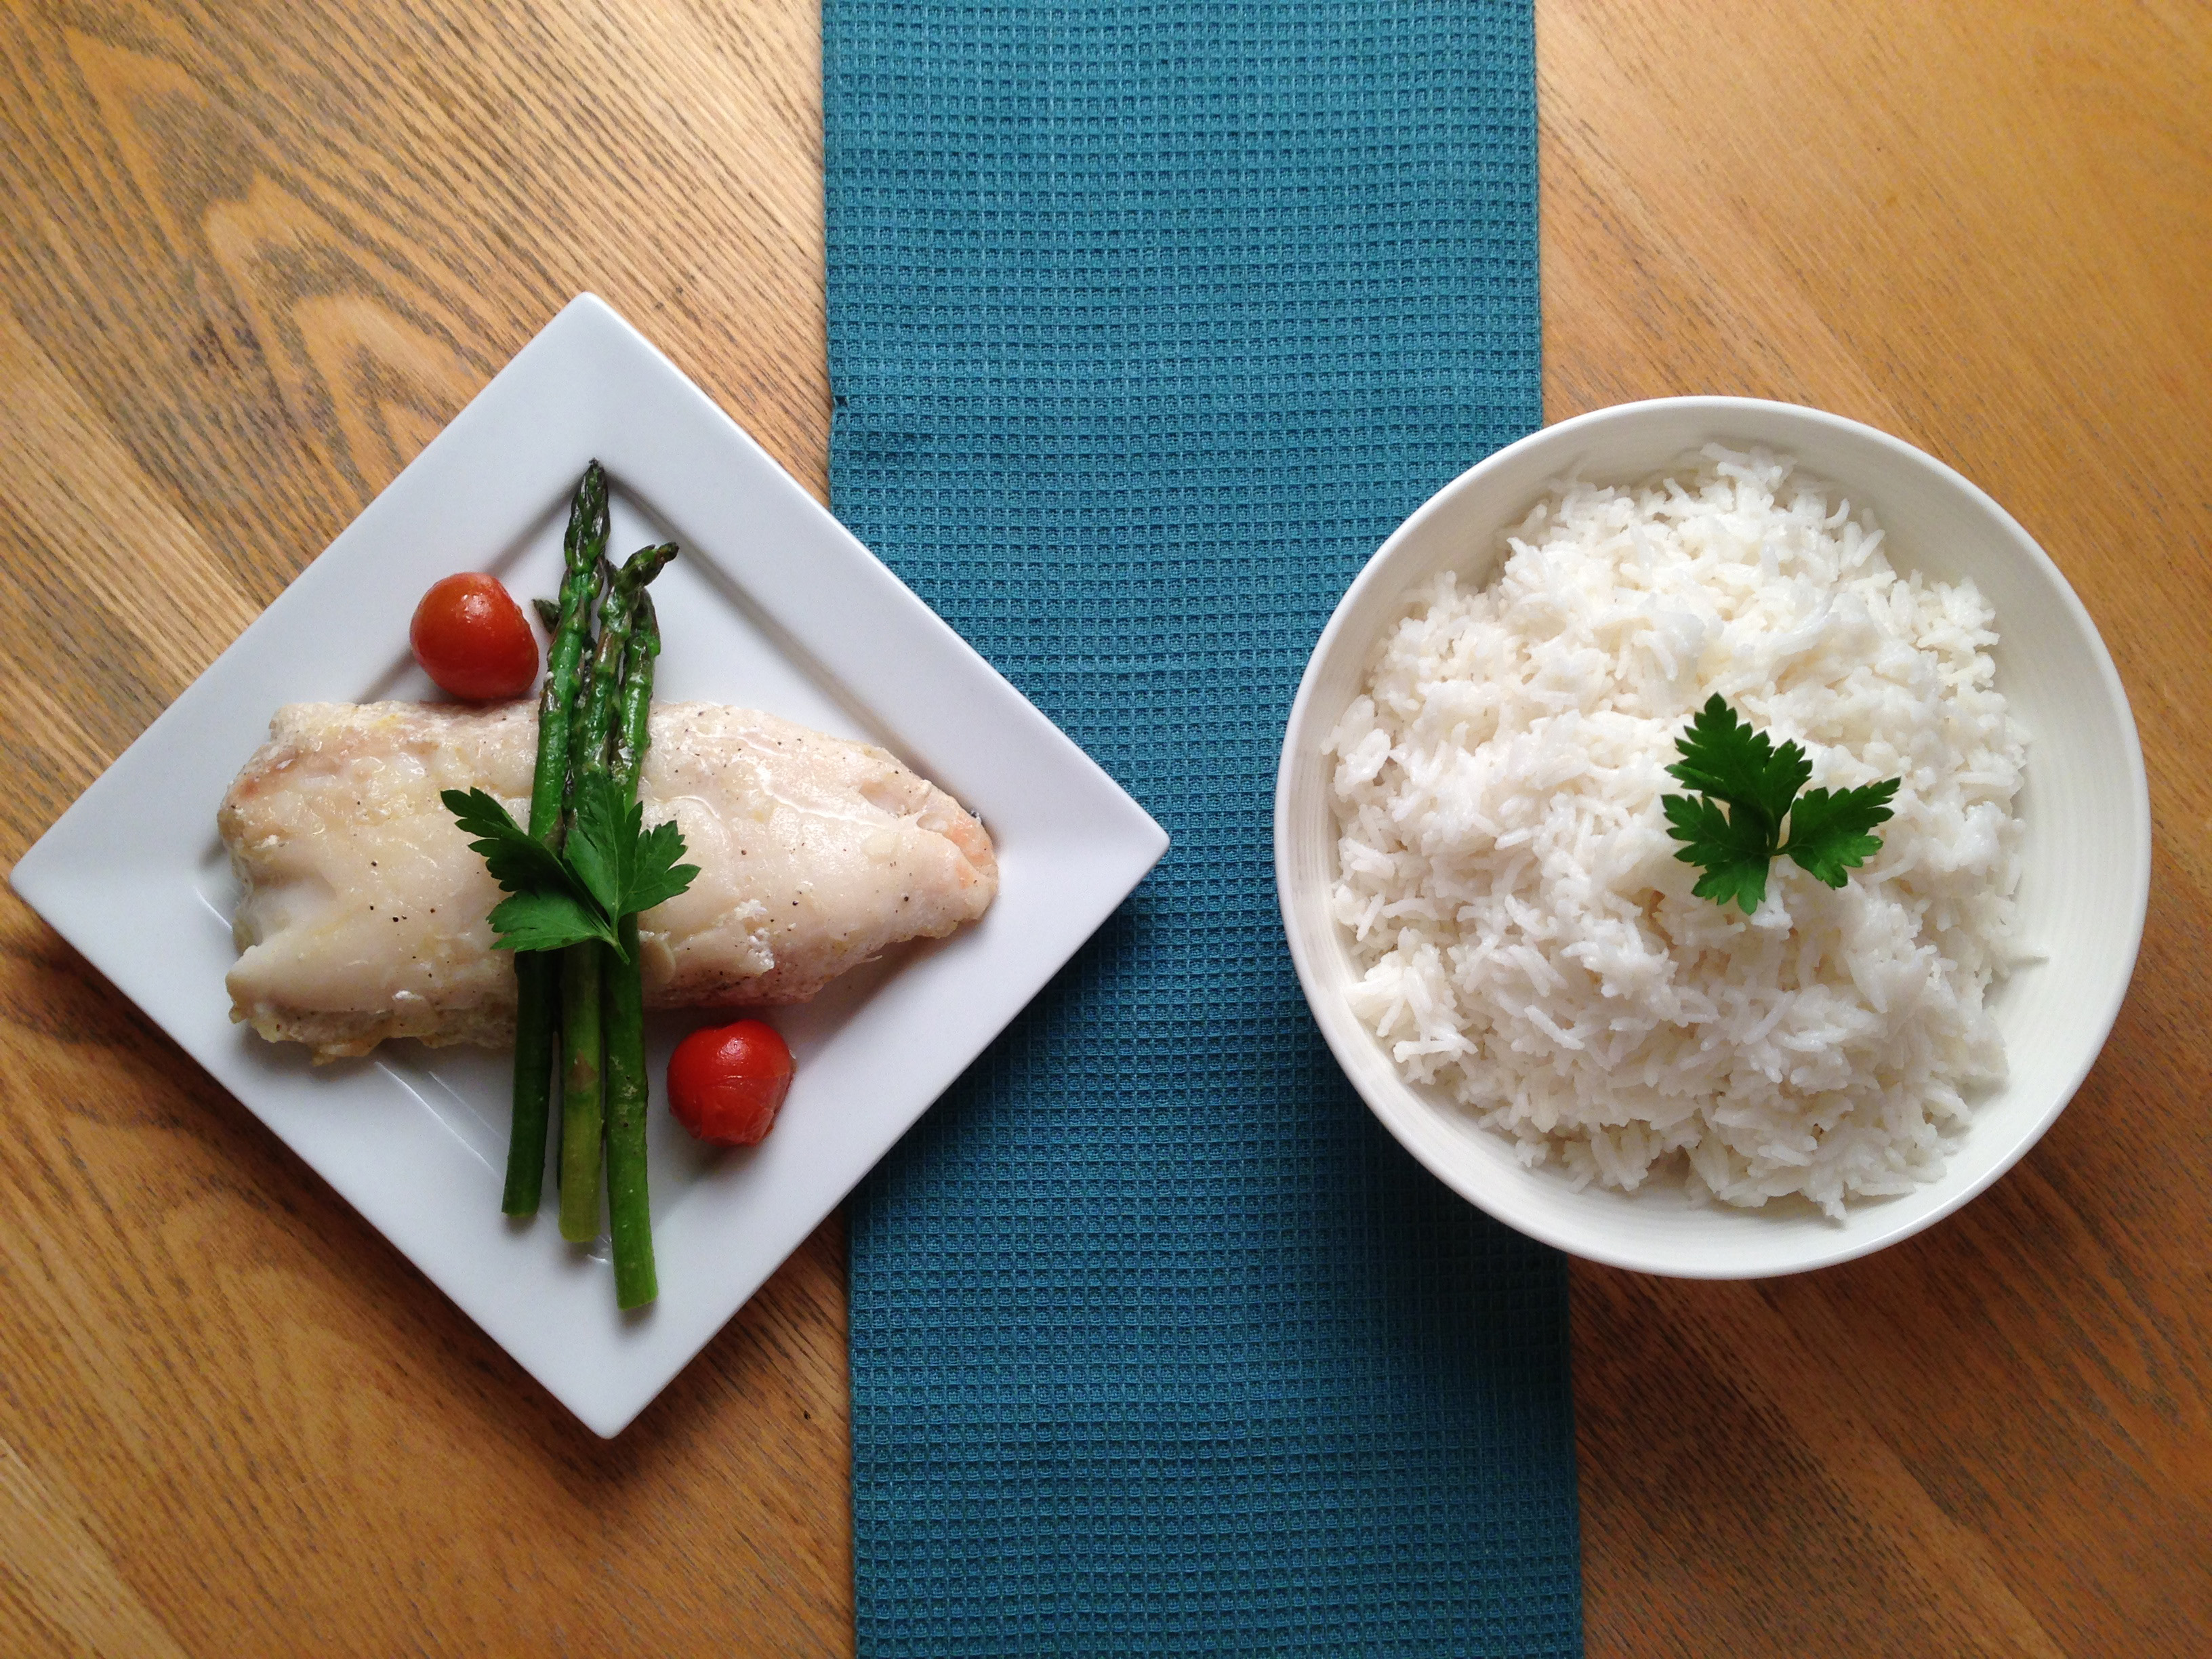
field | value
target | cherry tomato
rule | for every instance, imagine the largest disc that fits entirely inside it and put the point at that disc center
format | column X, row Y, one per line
column 725, row 1083
column 471, row 637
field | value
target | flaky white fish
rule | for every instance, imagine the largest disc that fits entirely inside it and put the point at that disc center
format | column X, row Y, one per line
column 363, row 909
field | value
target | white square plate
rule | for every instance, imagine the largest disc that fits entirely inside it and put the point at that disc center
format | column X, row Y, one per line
column 772, row 604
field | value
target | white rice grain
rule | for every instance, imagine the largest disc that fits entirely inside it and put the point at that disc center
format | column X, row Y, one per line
column 1528, row 940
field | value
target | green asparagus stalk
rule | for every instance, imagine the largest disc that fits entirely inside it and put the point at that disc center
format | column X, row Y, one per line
column 582, row 1045
column 535, row 994
column 580, row 1085
column 629, row 1088
column 582, row 1052
column 632, row 732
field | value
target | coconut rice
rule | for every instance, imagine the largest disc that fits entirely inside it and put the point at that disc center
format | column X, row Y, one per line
column 1528, row 939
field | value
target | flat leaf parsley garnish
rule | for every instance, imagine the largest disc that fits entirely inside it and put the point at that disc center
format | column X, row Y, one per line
column 612, row 866
column 1727, row 763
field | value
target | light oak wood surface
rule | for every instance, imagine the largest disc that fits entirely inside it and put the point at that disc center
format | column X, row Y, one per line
column 253, row 255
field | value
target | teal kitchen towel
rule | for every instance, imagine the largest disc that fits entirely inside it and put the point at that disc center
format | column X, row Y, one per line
column 1148, row 320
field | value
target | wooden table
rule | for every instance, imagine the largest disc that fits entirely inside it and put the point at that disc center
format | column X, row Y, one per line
column 254, row 255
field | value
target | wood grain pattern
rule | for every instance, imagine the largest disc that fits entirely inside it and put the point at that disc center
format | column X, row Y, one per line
column 254, row 254
column 1986, row 228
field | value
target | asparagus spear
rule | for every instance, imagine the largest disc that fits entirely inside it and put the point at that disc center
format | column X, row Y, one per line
column 535, row 995
column 582, row 1056
column 628, row 1089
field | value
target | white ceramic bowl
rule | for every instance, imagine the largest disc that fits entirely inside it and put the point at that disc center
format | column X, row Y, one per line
column 2085, row 806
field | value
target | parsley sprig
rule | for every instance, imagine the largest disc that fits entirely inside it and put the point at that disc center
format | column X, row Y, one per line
column 609, row 867
column 1727, row 763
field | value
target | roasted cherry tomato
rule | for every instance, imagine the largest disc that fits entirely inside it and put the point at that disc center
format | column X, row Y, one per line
column 471, row 637
column 725, row 1083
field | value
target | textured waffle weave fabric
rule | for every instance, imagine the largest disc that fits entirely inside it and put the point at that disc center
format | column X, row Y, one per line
column 1147, row 321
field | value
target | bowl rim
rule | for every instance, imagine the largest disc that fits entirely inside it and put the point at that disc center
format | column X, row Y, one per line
column 1396, row 1114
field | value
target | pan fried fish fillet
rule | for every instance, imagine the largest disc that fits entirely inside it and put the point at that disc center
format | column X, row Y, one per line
column 363, row 914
